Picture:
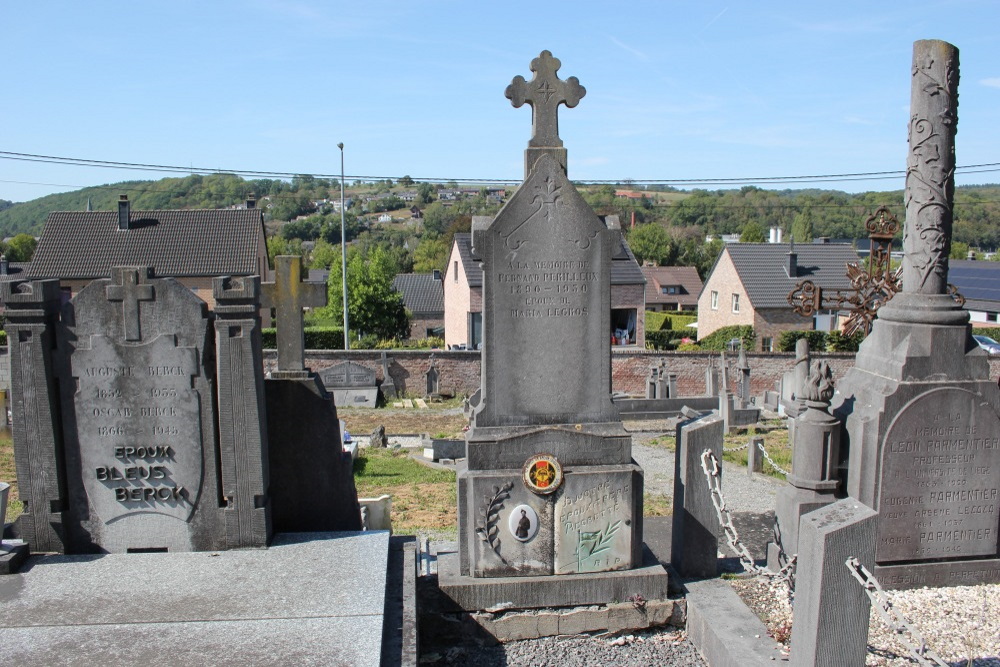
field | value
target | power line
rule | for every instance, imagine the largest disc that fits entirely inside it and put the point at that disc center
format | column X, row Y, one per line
column 813, row 178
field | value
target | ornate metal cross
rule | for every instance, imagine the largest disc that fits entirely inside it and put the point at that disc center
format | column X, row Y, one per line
column 288, row 295
column 871, row 286
column 545, row 92
column 128, row 286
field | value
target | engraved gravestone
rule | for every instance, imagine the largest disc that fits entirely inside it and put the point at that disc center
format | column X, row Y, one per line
column 920, row 411
column 127, row 435
column 351, row 384
column 139, row 416
column 550, row 500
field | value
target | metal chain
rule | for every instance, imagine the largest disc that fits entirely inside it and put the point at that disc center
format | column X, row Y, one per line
column 736, row 449
column 906, row 633
column 710, row 466
column 767, row 457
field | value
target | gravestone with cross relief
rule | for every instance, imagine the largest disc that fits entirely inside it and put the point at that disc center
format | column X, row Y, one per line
column 123, row 424
column 312, row 483
column 550, row 500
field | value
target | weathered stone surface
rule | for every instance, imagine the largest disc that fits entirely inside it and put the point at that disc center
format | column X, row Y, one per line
column 649, row 580
column 694, row 538
column 138, row 417
column 724, row 629
column 920, row 410
column 938, row 495
column 351, row 384
column 288, row 295
column 547, row 264
column 831, row 607
column 596, row 516
column 312, row 482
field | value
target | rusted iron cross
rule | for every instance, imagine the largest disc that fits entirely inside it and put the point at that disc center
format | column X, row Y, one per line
column 545, row 92
column 128, row 286
column 871, row 286
column 288, row 295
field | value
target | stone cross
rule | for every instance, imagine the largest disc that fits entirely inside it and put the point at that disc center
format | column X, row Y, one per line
column 288, row 295
column 129, row 288
column 545, row 92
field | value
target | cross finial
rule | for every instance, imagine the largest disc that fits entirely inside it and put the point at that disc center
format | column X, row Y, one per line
column 288, row 295
column 128, row 285
column 545, row 92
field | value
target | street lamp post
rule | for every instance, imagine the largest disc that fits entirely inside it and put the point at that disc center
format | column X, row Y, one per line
column 343, row 247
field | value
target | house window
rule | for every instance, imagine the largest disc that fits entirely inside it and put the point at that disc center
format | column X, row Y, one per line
column 736, row 303
column 669, row 289
column 456, row 272
column 991, row 317
column 767, row 344
column 715, row 300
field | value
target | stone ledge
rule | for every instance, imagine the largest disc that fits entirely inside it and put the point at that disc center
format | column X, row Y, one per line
column 618, row 617
column 570, row 590
column 13, row 553
column 724, row 630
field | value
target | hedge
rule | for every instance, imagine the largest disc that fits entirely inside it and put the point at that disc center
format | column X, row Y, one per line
column 317, row 338
column 787, row 340
column 718, row 339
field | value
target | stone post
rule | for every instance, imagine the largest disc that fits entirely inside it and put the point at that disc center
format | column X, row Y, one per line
column 694, row 547
column 652, row 382
column 831, row 607
column 31, row 313
column 671, row 385
column 743, row 380
column 242, row 413
column 755, row 459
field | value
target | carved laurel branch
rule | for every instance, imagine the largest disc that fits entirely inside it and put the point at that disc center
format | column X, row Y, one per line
column 489, row 532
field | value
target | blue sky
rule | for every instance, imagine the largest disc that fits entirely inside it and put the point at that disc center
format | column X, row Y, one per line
column 675, row 90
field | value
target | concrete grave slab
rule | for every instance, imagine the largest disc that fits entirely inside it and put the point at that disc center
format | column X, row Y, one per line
column 282, row 604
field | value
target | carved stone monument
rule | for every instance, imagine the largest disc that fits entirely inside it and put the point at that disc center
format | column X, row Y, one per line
column 312, row 482
column 920, row 410
column 115, row 424
column 351, row 384
column 550, row 500
column 815, row 455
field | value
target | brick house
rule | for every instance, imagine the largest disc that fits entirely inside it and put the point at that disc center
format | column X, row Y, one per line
column 750, row 283
column 463, row 298
column 193, row 246
column 671, row 288
column 423, row 296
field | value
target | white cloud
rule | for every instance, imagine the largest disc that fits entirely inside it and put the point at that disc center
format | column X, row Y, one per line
column 993, row 82
column 635, row 52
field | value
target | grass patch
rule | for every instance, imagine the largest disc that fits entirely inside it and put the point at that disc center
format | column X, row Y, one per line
column 776, row 444
column 8, row 473
column 656, row 504
column 423, row 498
column 665, row 441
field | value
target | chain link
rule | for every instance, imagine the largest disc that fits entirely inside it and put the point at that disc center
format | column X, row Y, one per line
column 906, row 633
column 767, row 457
column 710, row 466
column 736, row 449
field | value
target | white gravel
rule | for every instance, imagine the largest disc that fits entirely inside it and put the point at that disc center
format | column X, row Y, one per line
column 960, row 624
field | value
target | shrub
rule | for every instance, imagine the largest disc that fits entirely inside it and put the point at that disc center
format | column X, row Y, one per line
column 718, row 339
column 787, row 339
column 838, row 342
column 663, row 340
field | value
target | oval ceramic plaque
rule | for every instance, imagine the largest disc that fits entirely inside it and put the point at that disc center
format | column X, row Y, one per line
column 542, row 474
column 523, row 523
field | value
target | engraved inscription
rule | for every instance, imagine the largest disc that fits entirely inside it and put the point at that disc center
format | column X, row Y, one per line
column 139, row 427
column 938, row 496
column 592, row 524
